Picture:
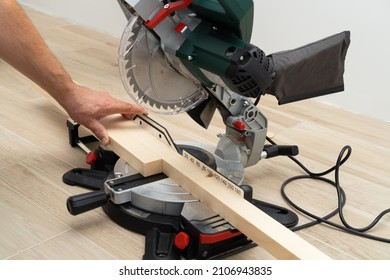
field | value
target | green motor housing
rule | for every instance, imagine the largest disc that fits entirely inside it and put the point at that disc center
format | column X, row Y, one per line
column 219, row 49
column 235, row 16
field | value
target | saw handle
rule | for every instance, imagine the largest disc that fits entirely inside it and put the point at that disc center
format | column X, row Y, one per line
column 82, row 203
column 281, row 150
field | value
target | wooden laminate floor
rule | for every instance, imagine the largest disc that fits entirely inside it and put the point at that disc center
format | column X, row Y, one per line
column 34, row 154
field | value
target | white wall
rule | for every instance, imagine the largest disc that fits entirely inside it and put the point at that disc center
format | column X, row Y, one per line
column 291, row 23
column 101, row 15
column 286, row 24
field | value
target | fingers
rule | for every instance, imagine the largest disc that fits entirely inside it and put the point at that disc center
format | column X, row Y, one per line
column 100, row 132
column 124, row 108
column 89, row 106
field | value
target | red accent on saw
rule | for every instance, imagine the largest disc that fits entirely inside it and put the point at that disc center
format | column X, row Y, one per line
column 180, row 27
column 166, row 11
column 91, row 158
column 214, row 238
column 182, row 240
column 239, row 125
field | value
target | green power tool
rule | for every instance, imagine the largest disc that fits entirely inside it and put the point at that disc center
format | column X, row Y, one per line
column 195, row 56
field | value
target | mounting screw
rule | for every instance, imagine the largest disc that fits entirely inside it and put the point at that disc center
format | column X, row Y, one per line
column 246, row 150
column 166, row 6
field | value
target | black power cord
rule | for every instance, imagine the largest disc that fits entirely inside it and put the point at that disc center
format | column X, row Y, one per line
column 344, row 154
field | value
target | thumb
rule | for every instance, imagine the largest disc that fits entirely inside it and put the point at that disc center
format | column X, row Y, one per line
column 100, row 132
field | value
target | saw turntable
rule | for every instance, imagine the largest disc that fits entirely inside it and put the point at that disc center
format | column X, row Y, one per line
column 194, row 57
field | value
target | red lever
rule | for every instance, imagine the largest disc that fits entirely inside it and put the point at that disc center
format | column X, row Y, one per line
column 166, row 11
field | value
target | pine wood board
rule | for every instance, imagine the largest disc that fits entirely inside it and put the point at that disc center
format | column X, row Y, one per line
column 150, row 156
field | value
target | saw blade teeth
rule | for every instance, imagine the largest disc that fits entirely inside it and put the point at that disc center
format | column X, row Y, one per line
column 140, row 46
column 129, row 66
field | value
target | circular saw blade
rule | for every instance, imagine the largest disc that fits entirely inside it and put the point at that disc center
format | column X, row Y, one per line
column 148, row 77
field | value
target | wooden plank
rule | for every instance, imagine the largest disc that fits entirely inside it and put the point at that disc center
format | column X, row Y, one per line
column 127, row 136
column 150, row 156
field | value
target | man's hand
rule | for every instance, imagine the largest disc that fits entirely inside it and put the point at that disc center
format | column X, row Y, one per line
column 87, row 107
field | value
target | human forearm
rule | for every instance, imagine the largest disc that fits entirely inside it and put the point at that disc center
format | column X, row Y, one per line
column 22, row 47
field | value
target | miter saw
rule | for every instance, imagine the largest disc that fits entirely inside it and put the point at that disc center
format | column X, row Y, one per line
column 195, row 56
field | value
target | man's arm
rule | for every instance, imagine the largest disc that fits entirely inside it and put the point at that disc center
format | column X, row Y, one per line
column 23, row 48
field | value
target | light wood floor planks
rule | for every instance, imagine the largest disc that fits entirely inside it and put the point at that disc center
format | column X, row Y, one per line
column 34, row 154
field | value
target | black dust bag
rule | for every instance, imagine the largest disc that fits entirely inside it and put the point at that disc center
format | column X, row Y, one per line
column 310, row 71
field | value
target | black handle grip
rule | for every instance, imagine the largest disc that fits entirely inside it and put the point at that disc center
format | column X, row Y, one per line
column 85, row 202
column 281, row 150
column 288, row 150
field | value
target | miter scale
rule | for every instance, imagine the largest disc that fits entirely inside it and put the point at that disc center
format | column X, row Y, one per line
column 194, row 56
